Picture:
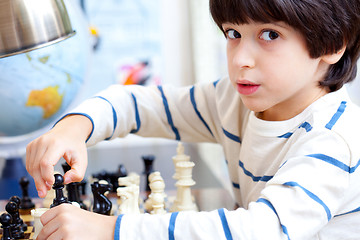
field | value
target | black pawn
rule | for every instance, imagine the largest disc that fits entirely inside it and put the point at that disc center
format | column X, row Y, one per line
column 5, row 220
column 17, row 200
column 73, row 189
column 59, row 194
column 26, row 202
column 15, row 227
column 148, row 164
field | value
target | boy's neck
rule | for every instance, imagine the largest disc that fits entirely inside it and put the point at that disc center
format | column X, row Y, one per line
column 278, row 113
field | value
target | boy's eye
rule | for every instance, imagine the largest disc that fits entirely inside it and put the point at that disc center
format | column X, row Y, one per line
column 269, row 35
column 232, row 34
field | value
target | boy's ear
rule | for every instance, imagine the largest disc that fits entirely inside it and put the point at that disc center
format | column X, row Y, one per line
column 334, row 57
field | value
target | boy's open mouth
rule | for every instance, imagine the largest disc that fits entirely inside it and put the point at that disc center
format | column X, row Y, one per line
column 247, row 89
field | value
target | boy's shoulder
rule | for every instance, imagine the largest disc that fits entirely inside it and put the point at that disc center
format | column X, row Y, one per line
column 335, row 110
column 336, row 113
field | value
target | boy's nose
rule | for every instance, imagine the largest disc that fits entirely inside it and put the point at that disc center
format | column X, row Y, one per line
column 244, row 55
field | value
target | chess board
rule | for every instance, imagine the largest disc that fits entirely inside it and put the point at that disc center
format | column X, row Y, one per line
column 28, row 220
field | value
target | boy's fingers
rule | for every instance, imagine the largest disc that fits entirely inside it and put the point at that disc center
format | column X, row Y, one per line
column 78, row 165
column 73, row 175
column 40, row 186
column 47, row 163
column 50, row 226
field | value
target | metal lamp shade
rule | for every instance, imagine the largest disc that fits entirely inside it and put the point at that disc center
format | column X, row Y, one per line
column 26, row 25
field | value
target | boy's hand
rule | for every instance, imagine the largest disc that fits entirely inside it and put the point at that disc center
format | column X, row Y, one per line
column 67, row 140
column 69, row 222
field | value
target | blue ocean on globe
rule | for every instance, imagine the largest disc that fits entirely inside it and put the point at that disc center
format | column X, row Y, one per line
column 37, row 87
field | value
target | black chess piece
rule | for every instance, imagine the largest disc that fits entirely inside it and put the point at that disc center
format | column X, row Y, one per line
column 5, row 220
column 15, row 227
column 148, row 164
column 102, row 204
column 121, row 172
column 59, row 194
column 17, row 200
column 73, row 189
column 82, row 187
column 26, row 202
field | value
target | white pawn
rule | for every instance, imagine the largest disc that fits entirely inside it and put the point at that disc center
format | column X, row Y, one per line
column 184, row 199
column 179, row 157
column 155, row 204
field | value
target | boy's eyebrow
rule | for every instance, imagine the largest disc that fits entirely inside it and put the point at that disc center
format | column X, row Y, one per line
column 278, row 24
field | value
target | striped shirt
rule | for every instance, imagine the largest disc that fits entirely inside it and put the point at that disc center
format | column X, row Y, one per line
column 294, row 179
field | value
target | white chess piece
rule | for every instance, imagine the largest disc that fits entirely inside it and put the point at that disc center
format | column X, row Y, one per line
column 184, row 199
column 131, row 179
column 179, row 157
column 129, row 199
column 36, row 214
column 105, row 183
column 155, row 204
column 48, row 200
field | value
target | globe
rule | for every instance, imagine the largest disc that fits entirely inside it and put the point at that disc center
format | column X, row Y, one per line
column 36, row 88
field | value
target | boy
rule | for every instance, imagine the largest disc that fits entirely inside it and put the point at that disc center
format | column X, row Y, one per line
column 288, row 129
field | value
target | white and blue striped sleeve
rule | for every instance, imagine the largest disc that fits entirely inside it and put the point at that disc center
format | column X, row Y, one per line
column 157, row 111
column 301, row 198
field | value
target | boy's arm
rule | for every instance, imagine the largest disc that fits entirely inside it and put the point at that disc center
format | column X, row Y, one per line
column 302, row 197
column 146, row 111
column 66, row 139
column 157, row 111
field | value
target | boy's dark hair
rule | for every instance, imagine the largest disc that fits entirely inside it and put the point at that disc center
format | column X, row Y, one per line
column 326, row 25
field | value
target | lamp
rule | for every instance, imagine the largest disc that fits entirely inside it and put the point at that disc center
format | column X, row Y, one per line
column 26, row 25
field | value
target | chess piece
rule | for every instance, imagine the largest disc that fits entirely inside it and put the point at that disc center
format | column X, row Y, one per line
column 5, row 220
column 36, row 214
column 50, row 195
column 129, row 199
column 26, row 202
column 73, row 189
column 113, row 177
column 82, row 187
column 179, row 157
column 59, row 194
column 15, row 227
column 184, row 199
column 155, row 204
column 102, row 204
column 131, row 179
column 148, row 169
column 17, row 200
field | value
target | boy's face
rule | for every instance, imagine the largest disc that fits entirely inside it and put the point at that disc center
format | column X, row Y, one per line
column 271, row 69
